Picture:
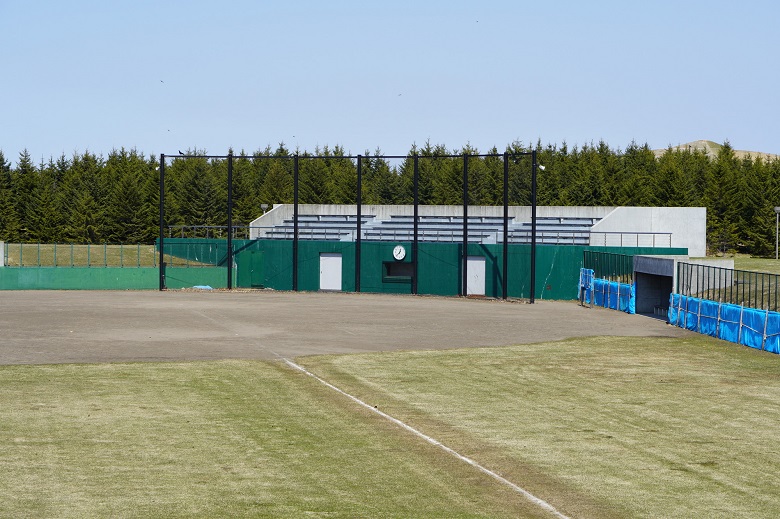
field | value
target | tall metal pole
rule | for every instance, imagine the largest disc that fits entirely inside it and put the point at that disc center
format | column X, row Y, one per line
column 359, row 222
column 415, row 243
column 505, row 262
column 464, row 287
column 777, row 224
column 162, row 221
column 295, row 225
column 533, row 227
column 230, row 221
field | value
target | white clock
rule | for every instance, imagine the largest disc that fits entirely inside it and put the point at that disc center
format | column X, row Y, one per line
column 399, row 252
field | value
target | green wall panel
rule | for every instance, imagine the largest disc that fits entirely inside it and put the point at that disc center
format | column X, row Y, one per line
column 183, row 277
column 439, row 267
column 268, row 263
column 77, row 278
column 83, row 278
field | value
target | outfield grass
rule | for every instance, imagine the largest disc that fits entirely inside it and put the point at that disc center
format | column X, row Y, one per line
column 80, row 255
column 602, row 427
column 598, row 427
column 771, row 266
column 89, row 255
column 217, row 439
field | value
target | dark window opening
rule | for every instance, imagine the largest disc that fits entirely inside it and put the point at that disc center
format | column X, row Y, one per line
column 397, row 272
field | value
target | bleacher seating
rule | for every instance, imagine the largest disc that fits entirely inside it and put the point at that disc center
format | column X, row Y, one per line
column 481, row 229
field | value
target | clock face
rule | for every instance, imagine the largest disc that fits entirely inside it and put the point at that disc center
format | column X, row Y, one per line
column 399, row 252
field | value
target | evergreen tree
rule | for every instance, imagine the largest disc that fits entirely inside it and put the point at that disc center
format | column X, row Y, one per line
column 127, row 219
column 151, row 195
column 24, row 181
column 722, row 196
column 520, row 174
column 639, row 166
column 341, row 177
column 549, row 184
column 246, row 202
column 445, row 174
column 757, row 213
column 81, row 202
column 278, row 183
column 9, row 223
column 486, row 182
column 587, row 185
column 196, row 193
column 44, row 220
column 381, row 183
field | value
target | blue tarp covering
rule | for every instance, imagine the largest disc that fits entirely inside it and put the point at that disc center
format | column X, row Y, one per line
column 608, row 294
column 758, row 329
column 728, row 327
column 585, row 291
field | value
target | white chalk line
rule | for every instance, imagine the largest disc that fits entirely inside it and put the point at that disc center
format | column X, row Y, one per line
column 535, row 500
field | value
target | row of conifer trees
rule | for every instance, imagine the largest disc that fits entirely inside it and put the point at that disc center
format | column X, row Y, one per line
column 88, row 198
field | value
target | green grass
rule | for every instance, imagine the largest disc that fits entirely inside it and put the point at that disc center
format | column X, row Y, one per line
column 598, row 427
column 75, row 255
column 88, row 255
column 217, row 439
column 771, row 266
column 602, row 427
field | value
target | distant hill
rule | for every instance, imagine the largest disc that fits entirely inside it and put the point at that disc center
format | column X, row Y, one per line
column 711, row 149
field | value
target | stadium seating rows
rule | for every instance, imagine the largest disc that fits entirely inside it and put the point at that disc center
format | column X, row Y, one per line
column 481, row 229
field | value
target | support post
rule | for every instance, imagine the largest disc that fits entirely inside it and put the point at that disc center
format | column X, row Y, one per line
column 162, row 222
column 359, row 222
column 415, row 243
column 295, row 225
column 505, row 259
column 533, row 226
column 230, row 221
column 777, row 227
column 464, row 283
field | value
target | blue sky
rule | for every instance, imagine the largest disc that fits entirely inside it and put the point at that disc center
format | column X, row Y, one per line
column 166, row 76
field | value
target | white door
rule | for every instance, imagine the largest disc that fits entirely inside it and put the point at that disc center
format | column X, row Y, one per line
column 475, row 285
column 330, row 271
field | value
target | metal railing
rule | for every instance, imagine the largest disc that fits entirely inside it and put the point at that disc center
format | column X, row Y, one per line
column 759, row 290
column 207, row 231
column 631, row 239
column 476, row 235
column 610, row 266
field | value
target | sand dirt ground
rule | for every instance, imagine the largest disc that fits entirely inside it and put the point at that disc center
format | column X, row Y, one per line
column 47, row 327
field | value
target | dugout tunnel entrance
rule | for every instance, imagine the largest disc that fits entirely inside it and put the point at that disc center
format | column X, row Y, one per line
column 656, row 277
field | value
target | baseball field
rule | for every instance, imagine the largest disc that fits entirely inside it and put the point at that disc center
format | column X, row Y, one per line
column 269, row 404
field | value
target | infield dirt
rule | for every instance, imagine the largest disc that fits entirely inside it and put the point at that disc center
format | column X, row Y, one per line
column 47, row 327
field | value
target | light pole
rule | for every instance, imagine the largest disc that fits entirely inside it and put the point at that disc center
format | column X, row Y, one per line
column 777, row 225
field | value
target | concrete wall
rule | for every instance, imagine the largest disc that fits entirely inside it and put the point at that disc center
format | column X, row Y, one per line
column 282, row 212
column 678, row 227
column 687, row 225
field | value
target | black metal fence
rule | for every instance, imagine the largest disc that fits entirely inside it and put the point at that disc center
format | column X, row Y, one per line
column 607, row 265
column 208, row 231
column 757, row 290
column 504, row 158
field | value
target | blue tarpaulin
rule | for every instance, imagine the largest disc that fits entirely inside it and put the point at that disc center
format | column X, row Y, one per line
column 608, row 294
column 758, row 329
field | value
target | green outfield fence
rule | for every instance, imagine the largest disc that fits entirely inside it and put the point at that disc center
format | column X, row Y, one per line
column 269, row 264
